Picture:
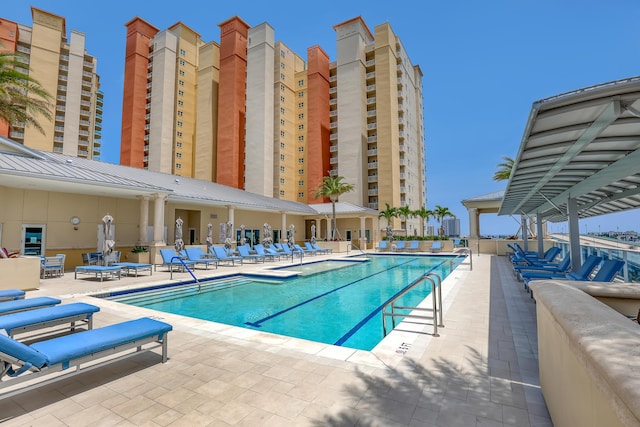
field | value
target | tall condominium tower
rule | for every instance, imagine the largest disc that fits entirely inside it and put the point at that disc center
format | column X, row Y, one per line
column 377, row 131
column 250, row 113
column 64, row 69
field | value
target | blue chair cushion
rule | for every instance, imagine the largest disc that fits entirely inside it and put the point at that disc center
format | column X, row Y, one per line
column 30, row 317
column 11, row 293
column 69, row 347
column 22, row 352
column 26, row 304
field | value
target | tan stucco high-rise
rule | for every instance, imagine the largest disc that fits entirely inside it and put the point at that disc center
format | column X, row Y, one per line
column 65, row 70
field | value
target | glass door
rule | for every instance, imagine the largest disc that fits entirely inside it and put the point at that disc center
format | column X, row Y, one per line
column 33, row 239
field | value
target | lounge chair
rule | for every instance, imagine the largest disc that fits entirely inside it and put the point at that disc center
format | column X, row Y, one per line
column 549, row 256
column 76, row 350
column 399, row 246
column 608, row 270
column 11, row 294
column 198, row 256
column 51, row 266
column 310, row 248
column 222, row 256
column 31, row 320
column 27, row 304
column 243, row 250
column 414, row 245
column 581, row 274
column 99, row 271
column 171, row 259
column 321, row 250
column 287, row 250
column 299, row 248
column 383, row 246
column 135, row 267
column 559, row 268
column 436, row 246
column 267, row 253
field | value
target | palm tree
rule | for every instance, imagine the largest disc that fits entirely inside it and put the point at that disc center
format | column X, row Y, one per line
column 504, row 169
column 21, row 96
column 425, row 214
column 388, row 213
column 405, row 212
column 333, row 187
column 440, row 212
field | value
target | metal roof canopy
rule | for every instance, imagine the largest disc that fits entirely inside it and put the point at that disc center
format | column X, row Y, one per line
column 583, row 145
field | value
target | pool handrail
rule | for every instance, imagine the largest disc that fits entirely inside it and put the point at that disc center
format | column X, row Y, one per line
column 184, row 264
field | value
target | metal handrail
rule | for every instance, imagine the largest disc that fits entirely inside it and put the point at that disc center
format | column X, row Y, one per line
column 462, row 254
column 427, row 276
column 185, row 266
column 351, row 244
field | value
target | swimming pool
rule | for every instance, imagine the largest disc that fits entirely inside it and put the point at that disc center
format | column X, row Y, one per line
column 339, row 306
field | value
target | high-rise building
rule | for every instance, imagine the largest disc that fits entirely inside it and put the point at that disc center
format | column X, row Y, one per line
column 64, row 69
column 451, row 227
column 250, row 113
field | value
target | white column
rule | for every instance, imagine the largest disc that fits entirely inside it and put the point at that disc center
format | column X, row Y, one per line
column 525, row 235
column 158, row 220
column 363, row 240
column 474, row 226
column 574, row 234
column 540, row 234
column 143, row 221
column 319, row 229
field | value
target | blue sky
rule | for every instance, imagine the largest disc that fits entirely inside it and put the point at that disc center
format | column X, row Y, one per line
column 484, row 64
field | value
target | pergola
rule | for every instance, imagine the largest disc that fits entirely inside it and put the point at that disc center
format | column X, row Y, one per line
column 579, row 157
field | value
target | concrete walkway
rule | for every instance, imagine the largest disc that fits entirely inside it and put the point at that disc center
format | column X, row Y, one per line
column 481, row 370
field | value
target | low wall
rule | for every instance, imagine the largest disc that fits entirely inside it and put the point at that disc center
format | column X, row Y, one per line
column 20, row 273
column 589, row 356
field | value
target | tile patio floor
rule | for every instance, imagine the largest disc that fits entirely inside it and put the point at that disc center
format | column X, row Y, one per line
column 481, row 371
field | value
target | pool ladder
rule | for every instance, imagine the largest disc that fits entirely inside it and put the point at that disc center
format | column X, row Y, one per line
column 353, row 245
column 185, row 266
column 436, row 287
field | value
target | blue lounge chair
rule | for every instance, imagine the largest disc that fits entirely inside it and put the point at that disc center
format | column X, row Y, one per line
column 399, row 246
column 549, row 256
column 582, row 273
column 171, row 259
column 266, row 252
column 31, row 320
column 413, row 246
column 299, row 249
column 76, row 350
column 27, row 304
column 383, row 246
column 287, row 250
column 608, row 270
column 561, row 267
column 310, row 248
column 11, row 294
column 321, row 250
column 222, row 256
column 436, row 246
column 198, row 256
column 243, row 250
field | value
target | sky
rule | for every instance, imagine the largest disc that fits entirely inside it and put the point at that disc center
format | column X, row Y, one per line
column 484, row 63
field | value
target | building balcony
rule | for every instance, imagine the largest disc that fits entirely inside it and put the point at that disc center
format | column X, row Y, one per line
column 373, row 165
column 372, row 178
column 333, row 90
column 373, row 192
column 373, row 138
column 371, row 113
column 371, row 100
column 58, row 139
column 333, row 172
column 333, row 137
column 372, row 125
column 333, row 78
column 370, row 63
column 333, row 149
column 373, row 206
column 333, row 161
column 18, row 135
column 333, row 113
column 333, row 101
column 373, row 152
column 334, row 125
column 371, row 88
column 371, row 75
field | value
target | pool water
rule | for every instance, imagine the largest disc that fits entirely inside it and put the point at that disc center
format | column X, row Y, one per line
column 340, row 306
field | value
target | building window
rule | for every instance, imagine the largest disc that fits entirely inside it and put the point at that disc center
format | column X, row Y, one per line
column 301, row 149
column 301, row 94
column 180, row 103
column 300, row 160
column 181, row 92
column 300, row 83
column 300, row 104
column 282, row 133
column 300, row 183
column 282, row 99
column 281, row 110
column 180, row 82
column 179, row 124
column 178, row 166
column 282, row 193
column 182, row 63
column 179, row 144
column 181, row 72
column 300, row 171
column 281, row 180
column 281, row 122
column 282, row 54
column 179, row 113
column 301, row 116
column 300, row 127
column 282, row 145
column 301, row 195
column 182, row 52
column 178, row 155
column 282, row 65
column 282, row 157
column 301, row 138
column 282, row 76
column 282, row 169
column 179, row 135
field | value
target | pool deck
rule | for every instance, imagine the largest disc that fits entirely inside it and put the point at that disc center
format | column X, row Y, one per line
column 481, row 371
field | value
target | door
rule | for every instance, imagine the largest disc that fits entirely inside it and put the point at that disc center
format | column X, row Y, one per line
column 347, row 235
column 192, row 236
column 33, row 239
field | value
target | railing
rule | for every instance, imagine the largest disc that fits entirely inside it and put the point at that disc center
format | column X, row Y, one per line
column 463, row 253
column 353, row 245
column 184, row 265
column 436, row 301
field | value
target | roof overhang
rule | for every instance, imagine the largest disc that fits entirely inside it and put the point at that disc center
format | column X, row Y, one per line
column 583, row 145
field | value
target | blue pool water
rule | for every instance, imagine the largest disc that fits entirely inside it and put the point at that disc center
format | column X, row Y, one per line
column 339, row 306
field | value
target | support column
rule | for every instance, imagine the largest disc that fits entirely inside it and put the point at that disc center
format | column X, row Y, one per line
column 574, row 234
column 540, row 234
column 143, row 222
column 283, row 233
column 474, row 223
column 362, row 242
column 158, row 220
column 525, row 235
column 319, row 229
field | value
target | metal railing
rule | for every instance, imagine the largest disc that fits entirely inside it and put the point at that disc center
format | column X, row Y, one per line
column 436, row 300
column 462, row 253
column 184, row 266
column 353, row 245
